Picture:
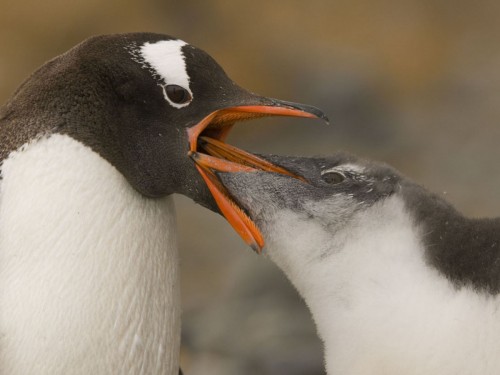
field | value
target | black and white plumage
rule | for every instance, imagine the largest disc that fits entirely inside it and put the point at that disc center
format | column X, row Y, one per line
column 397, row 280
column 92, row 145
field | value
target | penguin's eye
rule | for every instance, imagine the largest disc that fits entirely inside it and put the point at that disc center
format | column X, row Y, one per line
column 333, row 177
column 177, row 94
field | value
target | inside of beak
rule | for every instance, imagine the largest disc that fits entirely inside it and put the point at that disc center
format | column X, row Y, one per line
column 211, row 154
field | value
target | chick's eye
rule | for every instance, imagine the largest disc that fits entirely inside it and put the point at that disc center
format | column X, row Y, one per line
column 177, row 94
column 333, row 177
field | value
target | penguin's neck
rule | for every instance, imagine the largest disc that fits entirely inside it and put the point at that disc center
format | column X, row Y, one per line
column 88, row 267
column 378, row 306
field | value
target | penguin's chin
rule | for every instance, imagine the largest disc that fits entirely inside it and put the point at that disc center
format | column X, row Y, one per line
column 207, row 148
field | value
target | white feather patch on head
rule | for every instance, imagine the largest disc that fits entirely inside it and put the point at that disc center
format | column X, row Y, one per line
column 345, row 168
column 168, row 61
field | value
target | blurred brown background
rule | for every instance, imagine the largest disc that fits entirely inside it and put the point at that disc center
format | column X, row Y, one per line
column 415, row 83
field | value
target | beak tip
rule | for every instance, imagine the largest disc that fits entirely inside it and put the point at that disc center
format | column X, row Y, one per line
column 325, row 119
column 315, row 113
column 319, row 114
column 255, row 247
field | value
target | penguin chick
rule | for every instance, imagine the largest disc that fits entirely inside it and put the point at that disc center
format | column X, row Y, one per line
column 397, row 280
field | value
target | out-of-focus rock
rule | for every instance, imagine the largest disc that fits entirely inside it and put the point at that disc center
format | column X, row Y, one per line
column 258, row 325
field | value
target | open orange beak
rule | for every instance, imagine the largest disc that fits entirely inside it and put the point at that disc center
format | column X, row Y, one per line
column 211, row 154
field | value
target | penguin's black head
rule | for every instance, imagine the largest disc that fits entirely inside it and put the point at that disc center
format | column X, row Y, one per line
column 145, row 102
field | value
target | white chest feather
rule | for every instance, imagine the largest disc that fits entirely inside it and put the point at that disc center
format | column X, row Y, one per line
column 88, row 268
column 379, row 308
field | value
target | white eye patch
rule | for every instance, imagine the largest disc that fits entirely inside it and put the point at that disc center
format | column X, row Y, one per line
column 345, row 168
column 169, row 63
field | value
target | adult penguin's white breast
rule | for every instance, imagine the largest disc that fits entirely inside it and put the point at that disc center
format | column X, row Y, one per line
column 86, row 264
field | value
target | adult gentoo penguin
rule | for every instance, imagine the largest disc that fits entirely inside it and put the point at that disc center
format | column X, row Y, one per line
column 397, row 280
column 91, row 144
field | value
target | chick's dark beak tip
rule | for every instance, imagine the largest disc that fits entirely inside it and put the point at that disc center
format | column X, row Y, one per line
column 256, row 248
